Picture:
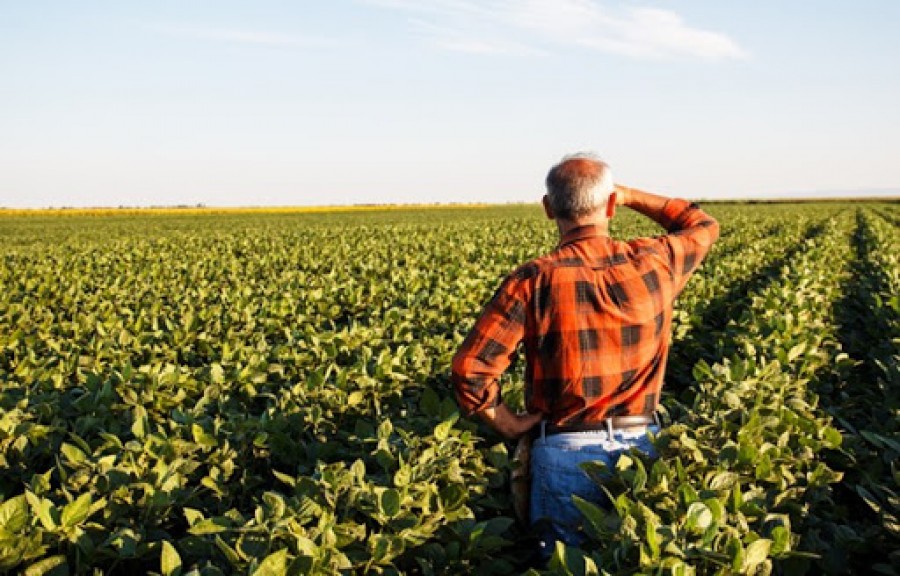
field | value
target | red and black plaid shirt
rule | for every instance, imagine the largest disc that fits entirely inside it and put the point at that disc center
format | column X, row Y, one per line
column 594, row 316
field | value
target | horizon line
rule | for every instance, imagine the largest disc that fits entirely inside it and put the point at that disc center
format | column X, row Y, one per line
column 891, row 196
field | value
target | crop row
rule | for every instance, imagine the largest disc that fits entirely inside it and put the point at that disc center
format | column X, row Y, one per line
column 864, row 530
column 743, row 473
column 727, row 281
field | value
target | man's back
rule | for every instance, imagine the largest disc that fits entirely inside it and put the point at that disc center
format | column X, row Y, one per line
column 594, row 316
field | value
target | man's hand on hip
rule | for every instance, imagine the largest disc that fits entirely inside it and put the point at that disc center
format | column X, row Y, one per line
column 508, row 423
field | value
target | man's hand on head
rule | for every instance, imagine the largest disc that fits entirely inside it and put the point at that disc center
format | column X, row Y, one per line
column 507, row 423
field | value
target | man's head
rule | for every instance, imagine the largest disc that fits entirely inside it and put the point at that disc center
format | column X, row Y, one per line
column 580, row 186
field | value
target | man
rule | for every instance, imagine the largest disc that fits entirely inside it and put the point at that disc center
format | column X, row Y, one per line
column 594, row 316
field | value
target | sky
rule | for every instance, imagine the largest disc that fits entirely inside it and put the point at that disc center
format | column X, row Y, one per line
column 227, row 103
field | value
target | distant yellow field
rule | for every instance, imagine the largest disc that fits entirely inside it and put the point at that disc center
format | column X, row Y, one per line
column 226, row 210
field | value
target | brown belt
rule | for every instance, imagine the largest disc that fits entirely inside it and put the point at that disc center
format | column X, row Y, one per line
column 609, row 424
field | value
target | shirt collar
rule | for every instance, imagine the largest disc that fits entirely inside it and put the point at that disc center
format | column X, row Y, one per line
column 580, row 233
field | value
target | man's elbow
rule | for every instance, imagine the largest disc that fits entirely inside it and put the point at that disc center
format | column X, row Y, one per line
column 457, row 372
column 472, row 392
column 705, row 228
column 457, row 365
column 460, row 382
column 713, row 228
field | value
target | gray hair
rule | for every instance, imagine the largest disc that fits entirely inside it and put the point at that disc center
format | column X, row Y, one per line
column 580, row 184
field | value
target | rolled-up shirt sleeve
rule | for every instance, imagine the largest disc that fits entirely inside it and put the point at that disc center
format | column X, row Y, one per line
column 488, row 349
column 692, row 233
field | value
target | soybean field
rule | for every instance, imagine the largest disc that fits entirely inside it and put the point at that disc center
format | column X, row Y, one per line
column 269, row 393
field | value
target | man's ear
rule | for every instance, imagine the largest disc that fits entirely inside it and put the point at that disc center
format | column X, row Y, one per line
column 548, row 210
column 611, row 206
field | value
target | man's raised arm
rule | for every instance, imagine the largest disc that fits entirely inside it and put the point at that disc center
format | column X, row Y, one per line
column 692, row 231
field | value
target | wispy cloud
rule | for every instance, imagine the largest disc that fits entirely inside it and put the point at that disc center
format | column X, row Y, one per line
column 241, row 36
column 536, row 25
column 463, row 40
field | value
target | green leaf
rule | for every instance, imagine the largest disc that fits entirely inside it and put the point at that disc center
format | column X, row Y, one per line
column 14, row 514
column 652, row 539
column 275, row 564
column 449, row 408
column 453, row 497
column 756, row 554
column 702, row 371
column 379, row 547
column 192, row 516
column 735, row 551
column 580, row 563
column 305, row 546
column 139, row 424
column 716, row 508
column 833, row 438
column 72, row 453
column 276, row 504
column 624, row 462
column 44, row 510
column 723, row 481
column 699, row 517
column 442, row 430
column 595, row 515
column 869, row 499
column 170, row 560
column 358, row 469
column 781, row 540
column 40, row 483
column 389, row 502
column 385, row 429
column 597, row 471
column 202, row 438
column 216, row 373
column 687, row 493
column 52, row 566
column 796, row 351
column 356, row 397
column 430, row 403
column 230, row 553
column 286, row 478
column 76, row 511
column 639, row 482
column 559, row 563
column 209, row 526
column 880, row 441
column 497, row 526
column 403, row 475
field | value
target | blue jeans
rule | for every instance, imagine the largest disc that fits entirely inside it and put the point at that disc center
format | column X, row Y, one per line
column 556, row 476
